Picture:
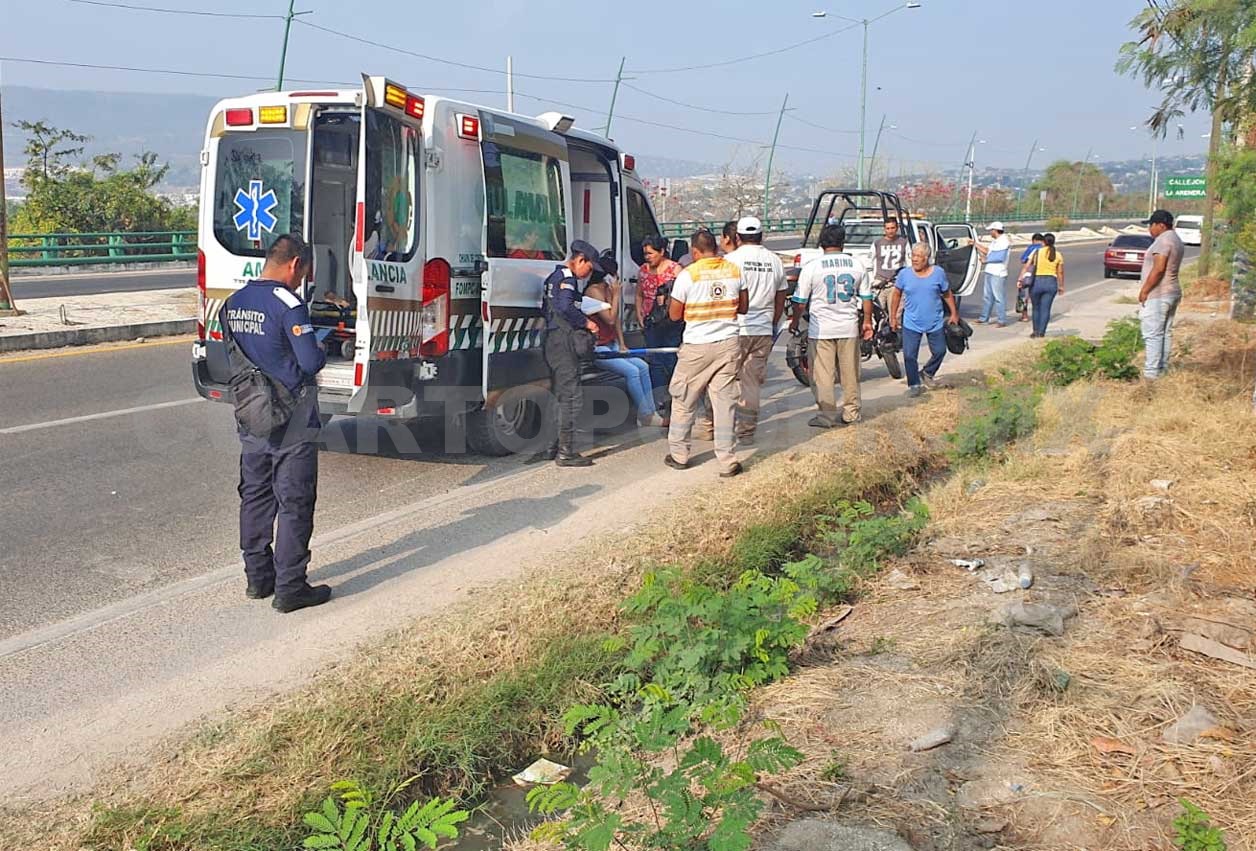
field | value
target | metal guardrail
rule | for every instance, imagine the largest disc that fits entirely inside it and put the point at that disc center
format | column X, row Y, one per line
column 84, row 249
column 797, row 225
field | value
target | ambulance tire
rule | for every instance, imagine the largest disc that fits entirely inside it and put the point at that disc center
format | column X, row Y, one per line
column 509, row 427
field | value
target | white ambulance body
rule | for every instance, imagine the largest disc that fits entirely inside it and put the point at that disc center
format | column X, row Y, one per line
column 434, row 223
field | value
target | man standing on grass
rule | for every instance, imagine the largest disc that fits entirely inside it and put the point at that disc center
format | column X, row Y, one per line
column 708, row 298
column 995, row 254
column 839, row 295
column 1160, row 293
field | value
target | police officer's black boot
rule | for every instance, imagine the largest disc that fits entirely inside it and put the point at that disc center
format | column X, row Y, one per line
column 575, row 459
column 307, row 596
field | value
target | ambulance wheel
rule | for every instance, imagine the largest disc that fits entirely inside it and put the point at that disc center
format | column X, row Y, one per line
column 512, row 425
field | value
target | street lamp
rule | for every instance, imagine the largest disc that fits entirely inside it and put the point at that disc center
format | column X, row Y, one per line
column 972, row 167
column 863, row 77
column 1033, row 149
column 872, row 160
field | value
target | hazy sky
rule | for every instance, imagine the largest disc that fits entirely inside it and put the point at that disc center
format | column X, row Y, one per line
column 1013, row 72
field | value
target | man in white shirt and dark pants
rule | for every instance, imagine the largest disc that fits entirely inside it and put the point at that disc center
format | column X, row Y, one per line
column 995, row 255
column 837, row 291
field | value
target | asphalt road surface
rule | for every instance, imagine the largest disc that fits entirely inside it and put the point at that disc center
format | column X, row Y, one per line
column 93, row 283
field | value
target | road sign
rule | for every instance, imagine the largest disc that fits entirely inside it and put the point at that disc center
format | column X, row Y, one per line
column 1185, row 186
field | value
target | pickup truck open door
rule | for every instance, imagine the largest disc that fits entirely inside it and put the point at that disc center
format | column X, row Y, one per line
column 956, row 254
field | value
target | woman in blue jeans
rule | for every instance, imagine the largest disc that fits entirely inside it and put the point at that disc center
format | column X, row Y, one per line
column 610, row 338
column 1048, row 283
column 927, row 302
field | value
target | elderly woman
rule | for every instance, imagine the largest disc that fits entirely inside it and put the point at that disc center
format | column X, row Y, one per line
column 925, row 295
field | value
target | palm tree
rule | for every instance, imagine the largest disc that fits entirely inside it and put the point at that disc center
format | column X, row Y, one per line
column 1198, row 54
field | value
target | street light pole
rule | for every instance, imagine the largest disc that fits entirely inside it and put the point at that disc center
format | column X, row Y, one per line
column 767, row 179
column 863, row 104
column 972, row 167
column 7, row 308
column 1025, row 179
column 287, row 28
column 1077, row 187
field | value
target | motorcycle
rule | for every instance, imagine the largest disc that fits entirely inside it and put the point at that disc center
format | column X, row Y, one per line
column 885, row 344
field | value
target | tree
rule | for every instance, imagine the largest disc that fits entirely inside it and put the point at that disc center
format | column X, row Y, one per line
column 740, row 188
column 1198, row 54
column 47, row 150
column 1065, row 181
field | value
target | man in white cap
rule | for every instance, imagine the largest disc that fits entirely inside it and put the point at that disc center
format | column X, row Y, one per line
column 995, row 255
column 763, row 280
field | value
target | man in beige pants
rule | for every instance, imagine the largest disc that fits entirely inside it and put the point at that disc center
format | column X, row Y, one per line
column 708, row 297
column 837, row 291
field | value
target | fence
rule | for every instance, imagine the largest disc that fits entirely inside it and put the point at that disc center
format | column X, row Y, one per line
column 82, row 249
column 798, row 225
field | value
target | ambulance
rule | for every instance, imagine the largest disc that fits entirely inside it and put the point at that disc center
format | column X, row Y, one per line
column 434, row 224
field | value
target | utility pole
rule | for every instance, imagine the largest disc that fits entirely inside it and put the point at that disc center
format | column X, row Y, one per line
column 1155, row 176
column 287, row 28
column 510, row 85
column 610, row 113
column 872, row 160
column 7, row 307
column 767, row 179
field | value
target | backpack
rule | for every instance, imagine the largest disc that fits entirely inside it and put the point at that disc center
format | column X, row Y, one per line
column 957, row 336
column 262, row 404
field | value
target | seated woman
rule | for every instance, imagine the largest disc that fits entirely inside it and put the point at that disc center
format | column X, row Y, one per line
column 610, row 338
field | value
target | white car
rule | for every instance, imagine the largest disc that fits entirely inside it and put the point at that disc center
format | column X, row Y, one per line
column 1189, row 229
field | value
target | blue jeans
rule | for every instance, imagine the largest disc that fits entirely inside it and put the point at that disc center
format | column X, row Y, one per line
column 994, row 294
column 636, row 374
column 1156, row 318
column 911, row 353
column 1041, row 297
column 662, row 366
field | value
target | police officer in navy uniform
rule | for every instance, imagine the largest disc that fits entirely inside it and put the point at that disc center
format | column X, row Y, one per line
column 279, row 473
column 568, row 344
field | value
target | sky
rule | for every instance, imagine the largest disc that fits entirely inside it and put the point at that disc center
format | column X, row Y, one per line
column 1011, row 73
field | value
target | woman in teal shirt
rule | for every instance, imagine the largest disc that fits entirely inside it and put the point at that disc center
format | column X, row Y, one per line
column 923, row 291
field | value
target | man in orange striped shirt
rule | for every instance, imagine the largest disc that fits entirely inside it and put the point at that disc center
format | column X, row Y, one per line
column 707, row 296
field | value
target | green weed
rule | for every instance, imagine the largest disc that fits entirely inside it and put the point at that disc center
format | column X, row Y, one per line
column 1002, row 415
column 1195, row 831
column 1071, row 359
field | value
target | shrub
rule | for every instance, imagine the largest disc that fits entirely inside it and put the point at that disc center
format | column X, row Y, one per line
column 1057, row 223
column 1005, row 414
column 1195, row 831
column 1072, row 359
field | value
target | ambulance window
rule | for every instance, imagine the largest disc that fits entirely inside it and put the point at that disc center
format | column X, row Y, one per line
column 527, row 217
column 641, row 223
column 392, row 177
column 259, row 189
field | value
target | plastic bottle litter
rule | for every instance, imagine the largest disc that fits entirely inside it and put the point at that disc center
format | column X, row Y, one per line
column 969, row 564
column 1025, row 576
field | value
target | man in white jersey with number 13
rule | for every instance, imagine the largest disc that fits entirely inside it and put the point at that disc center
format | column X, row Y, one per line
column 837, row 291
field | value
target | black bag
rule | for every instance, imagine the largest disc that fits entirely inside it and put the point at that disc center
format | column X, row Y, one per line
column 659, row 316
column 262, row 404
column 957, row 336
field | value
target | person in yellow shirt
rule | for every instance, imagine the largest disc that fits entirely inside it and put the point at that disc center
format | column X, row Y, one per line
column 1048, row 283
column 707, row 297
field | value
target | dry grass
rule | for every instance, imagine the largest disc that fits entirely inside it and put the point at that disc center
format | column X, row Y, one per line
column 245, row 778
column 913, row 660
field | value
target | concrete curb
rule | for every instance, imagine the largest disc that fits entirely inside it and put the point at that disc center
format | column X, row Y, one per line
column 90, row 336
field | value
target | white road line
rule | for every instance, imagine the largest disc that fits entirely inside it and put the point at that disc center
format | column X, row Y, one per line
column 103, row 415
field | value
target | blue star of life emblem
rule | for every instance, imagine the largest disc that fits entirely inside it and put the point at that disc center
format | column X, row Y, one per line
column 254, row 210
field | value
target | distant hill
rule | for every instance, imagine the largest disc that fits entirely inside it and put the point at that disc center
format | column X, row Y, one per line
column 123, row 122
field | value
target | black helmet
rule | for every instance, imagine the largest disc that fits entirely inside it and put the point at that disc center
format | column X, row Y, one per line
column 957, row 335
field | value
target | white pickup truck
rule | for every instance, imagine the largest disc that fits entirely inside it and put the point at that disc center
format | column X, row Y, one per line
column 863, row 213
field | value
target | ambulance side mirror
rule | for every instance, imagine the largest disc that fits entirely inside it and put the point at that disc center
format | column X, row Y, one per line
column 680, row 248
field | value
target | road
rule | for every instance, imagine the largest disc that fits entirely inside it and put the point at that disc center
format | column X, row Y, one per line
column 120, row 561
column 92, row 283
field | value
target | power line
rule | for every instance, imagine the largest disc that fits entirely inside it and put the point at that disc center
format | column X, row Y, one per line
column 752, row 56
column 694, row 106
column 441, row 61
column 198, row 13
column 171, row 71
column 819, row 126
